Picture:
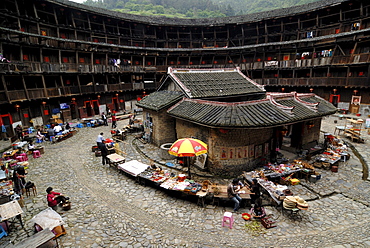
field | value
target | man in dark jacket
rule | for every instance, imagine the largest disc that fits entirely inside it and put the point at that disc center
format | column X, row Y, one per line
column 104, row 154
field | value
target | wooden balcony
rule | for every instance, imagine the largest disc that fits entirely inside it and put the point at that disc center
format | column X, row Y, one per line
column 148, row 86
column 17, row 95
column 36, row 93
column 54, row 92
column 316, row 81
column 138, row 86
column 3, row 98
column 101, row 88
column 339, row 60
column 358, row 81
column 127, row 86
column 87, row 89
column 71, row 90
column 13, row 67
column 114, row 87
column 360, row 58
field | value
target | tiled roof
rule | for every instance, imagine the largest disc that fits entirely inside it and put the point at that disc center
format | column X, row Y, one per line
column 205, row 83
column 159, row 100
column 253, row 114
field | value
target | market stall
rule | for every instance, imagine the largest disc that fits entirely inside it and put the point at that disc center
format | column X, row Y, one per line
column 115, row 159
column 49, row 219
column 133, row 167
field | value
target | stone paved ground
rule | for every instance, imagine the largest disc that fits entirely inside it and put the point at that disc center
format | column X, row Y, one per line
column 110, row 209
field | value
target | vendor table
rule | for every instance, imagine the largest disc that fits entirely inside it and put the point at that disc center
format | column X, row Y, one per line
column 11, row 210
column 264, row 185
column 133, row 167
column 9, row 155
column 115, row 159
column 41, row 238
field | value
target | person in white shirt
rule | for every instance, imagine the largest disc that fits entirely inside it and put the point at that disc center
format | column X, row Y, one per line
column 100, row 140
column 57, row 129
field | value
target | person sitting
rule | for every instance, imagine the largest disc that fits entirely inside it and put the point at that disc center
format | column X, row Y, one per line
column 232, row 192
column 57, row 129
column 50, row 133
column 54, row 198
column 31, row 146
column 67, row 126
column 258, row 212
column 39, row 135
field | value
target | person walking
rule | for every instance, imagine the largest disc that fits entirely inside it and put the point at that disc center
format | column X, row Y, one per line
column 114, row 121
column 105, row 119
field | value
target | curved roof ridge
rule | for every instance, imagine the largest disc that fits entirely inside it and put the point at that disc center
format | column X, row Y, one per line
column 310, row 105
column 183, row 86
column 217, row 103
column 250, row 80
column 286, row 109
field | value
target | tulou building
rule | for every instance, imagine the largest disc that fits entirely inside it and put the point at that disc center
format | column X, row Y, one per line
column 75, row 61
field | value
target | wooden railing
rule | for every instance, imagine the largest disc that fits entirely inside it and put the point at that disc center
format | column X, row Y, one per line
column 36, row 93
column 318, row 81
column 16, row 95
column 52, row 92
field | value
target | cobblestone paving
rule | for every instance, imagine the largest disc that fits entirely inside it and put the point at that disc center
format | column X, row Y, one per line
column 110, row 209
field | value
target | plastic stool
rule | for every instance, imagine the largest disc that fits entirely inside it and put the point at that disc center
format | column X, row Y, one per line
column 88, row 124
column 228, row 216
column 20, row 159
column 25, row 157
column 30, row 130
column 3, row 233
column 39, row 141
column 51, row 138
column 79, row 125
column 36, row 154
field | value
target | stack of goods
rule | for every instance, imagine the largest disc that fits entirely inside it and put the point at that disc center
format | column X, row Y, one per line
column 302, row 204
column 291, row 202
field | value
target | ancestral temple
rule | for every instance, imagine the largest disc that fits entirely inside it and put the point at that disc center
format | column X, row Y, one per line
column 242, row 124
